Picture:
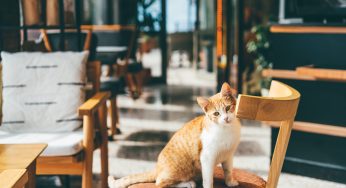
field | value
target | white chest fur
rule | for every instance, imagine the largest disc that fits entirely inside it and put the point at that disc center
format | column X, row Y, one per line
column 220, row 141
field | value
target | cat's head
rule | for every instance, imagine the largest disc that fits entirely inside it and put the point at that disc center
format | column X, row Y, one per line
column 220, row 107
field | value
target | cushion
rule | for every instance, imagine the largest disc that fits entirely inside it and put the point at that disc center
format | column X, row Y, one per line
column 59, row 144
column 42, row 91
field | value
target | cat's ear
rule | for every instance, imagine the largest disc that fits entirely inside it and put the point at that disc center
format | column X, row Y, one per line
column 203, row 103
column 227, row 91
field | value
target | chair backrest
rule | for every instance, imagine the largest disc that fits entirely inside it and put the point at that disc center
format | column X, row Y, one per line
column 115, row 36
column 89, row 43
column 281, row 105
column 93, row 76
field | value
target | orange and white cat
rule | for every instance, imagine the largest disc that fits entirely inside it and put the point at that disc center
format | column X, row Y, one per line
column 196, row 149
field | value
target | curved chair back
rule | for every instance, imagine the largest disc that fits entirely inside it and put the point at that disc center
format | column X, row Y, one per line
column 114, row 41
column 281, row 105
column 88, row 41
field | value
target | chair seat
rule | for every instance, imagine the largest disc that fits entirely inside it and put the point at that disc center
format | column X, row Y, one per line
column 59, row 144
column 134, row 67
column 109, row 58
column 245, row 179
column 113, row 85
column 110, row 49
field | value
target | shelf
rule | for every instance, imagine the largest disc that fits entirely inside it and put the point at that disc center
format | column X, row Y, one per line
column 311, row 74
column 321, row 73
column 286, row 74
column 330, row 130
column 308, row 29
column 307, row 73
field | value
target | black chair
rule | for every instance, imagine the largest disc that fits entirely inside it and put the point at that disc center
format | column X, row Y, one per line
column 117, row 44
column 112, row 45
column 72, row 42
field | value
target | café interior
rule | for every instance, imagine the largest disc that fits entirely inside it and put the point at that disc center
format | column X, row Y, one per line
column 92, row 91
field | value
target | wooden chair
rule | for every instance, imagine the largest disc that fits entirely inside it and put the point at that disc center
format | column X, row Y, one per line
column 94, row 113
column 280, row 106
column 118, row 42
column 94, row 137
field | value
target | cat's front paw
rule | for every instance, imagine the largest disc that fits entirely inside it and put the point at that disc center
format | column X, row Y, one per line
column 192, row 184
column 111, row 181
column 231, row 182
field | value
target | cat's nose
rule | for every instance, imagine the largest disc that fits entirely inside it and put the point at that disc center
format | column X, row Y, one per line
column 226, row 119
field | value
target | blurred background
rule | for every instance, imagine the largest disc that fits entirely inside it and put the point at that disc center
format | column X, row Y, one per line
column 188, row 48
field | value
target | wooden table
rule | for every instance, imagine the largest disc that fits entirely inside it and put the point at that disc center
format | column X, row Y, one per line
column 20, row 156
column 13, row 178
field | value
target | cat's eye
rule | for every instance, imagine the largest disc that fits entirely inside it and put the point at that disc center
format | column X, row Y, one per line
column 216, row 113
column 228, row 108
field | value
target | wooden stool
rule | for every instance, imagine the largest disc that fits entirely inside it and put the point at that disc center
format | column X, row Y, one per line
column 280, row 106
column 245, row 179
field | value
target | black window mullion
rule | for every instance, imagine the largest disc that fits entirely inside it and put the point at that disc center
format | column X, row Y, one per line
column 62, row 25
column 78, row 16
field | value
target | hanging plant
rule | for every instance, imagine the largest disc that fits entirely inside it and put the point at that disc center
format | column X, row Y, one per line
column 258, row 47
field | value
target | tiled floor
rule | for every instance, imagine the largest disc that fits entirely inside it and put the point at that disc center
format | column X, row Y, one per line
column 148, row 123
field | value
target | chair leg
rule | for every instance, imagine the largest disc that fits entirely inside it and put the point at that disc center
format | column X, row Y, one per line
column 110, row 70
column 31, row 175
column 131, row 85
column 113, row 114
column 279, row 153
column 139, row 81
column 88, row 144
column 104, row 165
column 104, row 146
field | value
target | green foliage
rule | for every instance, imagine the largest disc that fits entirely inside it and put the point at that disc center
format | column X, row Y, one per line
column 258, row 47
column 149, row 17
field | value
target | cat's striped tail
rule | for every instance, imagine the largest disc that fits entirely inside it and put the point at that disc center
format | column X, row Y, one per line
column 124, row 182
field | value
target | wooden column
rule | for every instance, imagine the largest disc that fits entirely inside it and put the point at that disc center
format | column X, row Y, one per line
column 240, row 43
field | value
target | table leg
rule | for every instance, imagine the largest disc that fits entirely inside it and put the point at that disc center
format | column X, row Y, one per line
column 31, row 175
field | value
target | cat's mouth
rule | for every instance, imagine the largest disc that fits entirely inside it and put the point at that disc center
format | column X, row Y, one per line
column 228, row 120
column 225, row 121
